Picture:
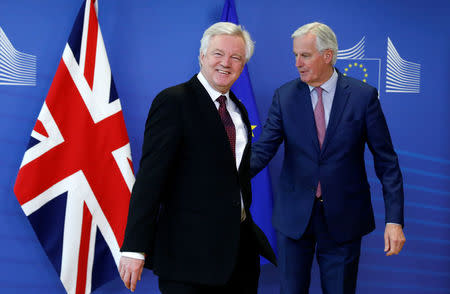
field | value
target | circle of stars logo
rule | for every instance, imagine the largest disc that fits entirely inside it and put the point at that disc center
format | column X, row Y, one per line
column 357, row 66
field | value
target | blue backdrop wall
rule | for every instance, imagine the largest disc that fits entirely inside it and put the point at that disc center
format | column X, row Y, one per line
column 154, row 44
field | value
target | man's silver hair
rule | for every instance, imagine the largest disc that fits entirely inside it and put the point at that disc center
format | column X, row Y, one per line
column 325, row 37
column 227, row 28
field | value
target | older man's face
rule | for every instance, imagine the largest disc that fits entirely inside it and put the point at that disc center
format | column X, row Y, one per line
column 223, row 62
column 315, row 67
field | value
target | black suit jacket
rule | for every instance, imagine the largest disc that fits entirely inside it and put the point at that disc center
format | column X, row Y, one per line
column 185, row 205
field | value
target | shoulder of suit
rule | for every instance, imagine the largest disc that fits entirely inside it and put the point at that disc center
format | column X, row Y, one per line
column 293, row 83
column 292, row 87
column 177, row 93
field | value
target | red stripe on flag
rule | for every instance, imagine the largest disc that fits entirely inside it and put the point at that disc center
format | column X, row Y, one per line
column 130, row 163
column 91, row 46
column 84, row 251
column 39, row 128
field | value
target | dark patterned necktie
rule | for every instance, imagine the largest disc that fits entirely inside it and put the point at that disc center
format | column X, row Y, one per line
column 228, row 123
column 319, row 116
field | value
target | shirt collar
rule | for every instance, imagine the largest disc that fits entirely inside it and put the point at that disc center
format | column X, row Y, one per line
column 329, row 85
column 213, row 93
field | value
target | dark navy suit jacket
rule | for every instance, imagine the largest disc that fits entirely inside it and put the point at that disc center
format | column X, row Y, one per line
column 356, row 119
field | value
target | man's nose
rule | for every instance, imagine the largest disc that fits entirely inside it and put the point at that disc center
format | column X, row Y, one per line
column 226, row 61
column 298, row 61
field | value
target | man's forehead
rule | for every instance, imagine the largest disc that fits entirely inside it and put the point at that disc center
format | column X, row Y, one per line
column 307, row 38
column 305, row 43
column 217, row 42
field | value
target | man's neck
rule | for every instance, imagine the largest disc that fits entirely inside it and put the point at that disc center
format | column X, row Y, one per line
column 325, row 77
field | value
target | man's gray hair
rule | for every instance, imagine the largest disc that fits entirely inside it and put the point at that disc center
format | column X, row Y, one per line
column 227, row 28
column 325, row 37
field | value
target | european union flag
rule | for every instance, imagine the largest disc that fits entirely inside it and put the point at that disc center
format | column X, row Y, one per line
column 364, row 69
column 261, row 186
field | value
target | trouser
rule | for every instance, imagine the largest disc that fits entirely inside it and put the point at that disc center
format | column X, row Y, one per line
column 338, row 262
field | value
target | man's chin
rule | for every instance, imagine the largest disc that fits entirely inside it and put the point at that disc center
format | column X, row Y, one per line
column 222, row 88
column 224, row 85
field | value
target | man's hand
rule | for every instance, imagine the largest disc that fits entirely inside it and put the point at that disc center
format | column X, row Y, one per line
column 130, row 270
column 394, row 239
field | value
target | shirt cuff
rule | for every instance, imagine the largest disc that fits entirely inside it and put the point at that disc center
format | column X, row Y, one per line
column 135, row 255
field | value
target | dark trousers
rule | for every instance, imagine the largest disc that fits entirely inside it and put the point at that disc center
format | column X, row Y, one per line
column 338, row 262
column 243, row 280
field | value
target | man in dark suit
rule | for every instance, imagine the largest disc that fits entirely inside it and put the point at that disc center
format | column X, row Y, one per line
column 323, row 203
column 189, row 211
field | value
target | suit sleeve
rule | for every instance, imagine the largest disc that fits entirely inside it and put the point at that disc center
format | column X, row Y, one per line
column 269, row 140
column 385, row 161
column 161, row 141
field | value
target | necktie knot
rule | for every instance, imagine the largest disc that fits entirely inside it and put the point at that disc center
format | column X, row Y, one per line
column 319, row 91
column 222, row 99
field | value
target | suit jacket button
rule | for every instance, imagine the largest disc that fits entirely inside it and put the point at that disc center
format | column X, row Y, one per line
column 236, row 203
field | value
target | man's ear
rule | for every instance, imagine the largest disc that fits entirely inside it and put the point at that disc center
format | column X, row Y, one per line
column 329, row 55
column 202, row 56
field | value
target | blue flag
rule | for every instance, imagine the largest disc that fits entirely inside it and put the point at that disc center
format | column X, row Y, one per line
column 365, row 69
column 261, row 186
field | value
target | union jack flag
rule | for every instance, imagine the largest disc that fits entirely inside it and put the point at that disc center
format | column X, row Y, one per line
column 75, row 180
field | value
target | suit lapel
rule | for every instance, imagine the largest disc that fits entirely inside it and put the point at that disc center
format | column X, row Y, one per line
column 304, row 106
column 339, row 101
column 244, row 114
column 245, row 119
column 213, row 123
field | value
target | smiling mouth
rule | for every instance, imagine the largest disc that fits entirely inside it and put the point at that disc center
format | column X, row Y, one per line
column 223, row 72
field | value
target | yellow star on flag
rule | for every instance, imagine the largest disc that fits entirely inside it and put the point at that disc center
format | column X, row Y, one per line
column 253, row 127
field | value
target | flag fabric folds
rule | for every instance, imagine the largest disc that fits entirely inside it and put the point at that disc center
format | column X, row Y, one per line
column 75, row 180
column 261, row 186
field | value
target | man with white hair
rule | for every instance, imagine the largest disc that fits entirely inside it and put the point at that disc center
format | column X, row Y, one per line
column 189, row 217
column 322, row 204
